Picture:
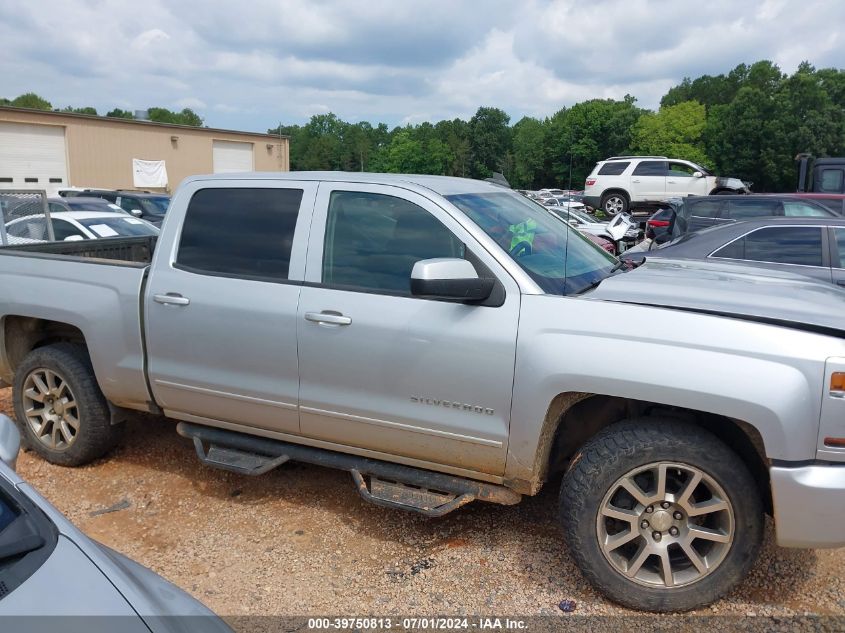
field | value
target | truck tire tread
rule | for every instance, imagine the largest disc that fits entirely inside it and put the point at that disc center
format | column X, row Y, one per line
column 97, row 435
column 621, row 447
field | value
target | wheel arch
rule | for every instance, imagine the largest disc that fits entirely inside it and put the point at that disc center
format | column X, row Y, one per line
column 618, row 190
column 574, row 418
column 723, row 191
column 22, row 334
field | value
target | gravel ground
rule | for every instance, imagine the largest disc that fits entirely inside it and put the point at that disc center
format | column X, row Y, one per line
column 300, row 541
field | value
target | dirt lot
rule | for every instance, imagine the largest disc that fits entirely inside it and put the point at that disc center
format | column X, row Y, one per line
column 300, row 541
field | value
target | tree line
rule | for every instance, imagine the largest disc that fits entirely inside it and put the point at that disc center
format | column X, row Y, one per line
column 749, row 123
column 159, row 115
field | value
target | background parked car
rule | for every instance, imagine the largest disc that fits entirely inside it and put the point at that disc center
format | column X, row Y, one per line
column 60, row 205
column 659, row 224
column 620, row 183
column 53, row 577
column 80, row 225
column 808, row 246
column 588, row 224
column 147, row 205
column 694, row 213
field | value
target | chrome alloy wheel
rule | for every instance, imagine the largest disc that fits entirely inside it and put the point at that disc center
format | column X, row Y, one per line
column 52, row 413
column 665, row 525
column 614, row 205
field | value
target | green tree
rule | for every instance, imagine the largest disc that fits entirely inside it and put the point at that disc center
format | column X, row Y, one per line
column 674, row 131
column 185, row 117
column 405, row 154
column 117, row 113
column 88, row 110
column 454, row 135
column 529, row 153
column 590, row 131
column 31, row 100
column 490, row 141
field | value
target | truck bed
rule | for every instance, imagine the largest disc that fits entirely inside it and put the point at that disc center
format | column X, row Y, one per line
column 136, row 250
column 56, row 281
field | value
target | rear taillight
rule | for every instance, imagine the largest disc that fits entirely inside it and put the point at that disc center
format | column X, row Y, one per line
column 658, row 223
column 590, row 182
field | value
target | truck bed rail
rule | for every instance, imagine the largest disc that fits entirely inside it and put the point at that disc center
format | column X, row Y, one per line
column 127, row 249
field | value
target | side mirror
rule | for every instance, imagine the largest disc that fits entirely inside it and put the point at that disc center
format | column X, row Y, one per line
column 136, row 212
column 449, row 279
column 10, row 441
column 73, row 238
column 574, row 223
column 697, row 174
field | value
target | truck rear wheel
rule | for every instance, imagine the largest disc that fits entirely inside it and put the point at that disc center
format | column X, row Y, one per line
column 661, row 515
column 61, row 412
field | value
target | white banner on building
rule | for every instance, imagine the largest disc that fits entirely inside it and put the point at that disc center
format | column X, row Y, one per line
column 149, row 173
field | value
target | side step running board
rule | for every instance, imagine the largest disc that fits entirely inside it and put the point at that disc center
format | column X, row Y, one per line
column 390, row 485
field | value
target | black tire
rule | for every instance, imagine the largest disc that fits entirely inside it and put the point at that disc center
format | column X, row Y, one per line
column 626, row 446
column 96, row 435
column 614, row 202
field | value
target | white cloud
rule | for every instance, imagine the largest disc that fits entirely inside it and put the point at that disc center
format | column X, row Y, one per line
column 265, row 61
column 191, row 102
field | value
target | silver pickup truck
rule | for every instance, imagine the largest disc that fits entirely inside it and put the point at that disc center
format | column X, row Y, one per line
column 448, row 340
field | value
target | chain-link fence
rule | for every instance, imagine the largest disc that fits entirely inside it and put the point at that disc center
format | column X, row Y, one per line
column 24, row 217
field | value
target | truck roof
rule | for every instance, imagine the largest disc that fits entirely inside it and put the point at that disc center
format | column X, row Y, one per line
column 443, row 185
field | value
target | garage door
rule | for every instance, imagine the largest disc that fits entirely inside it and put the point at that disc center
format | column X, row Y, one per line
column 32, row 157
column 230, row 156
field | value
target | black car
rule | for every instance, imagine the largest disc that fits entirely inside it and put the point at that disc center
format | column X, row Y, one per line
column 659, row 224
column 152, row 206
column 808, row 246
column 694, row 213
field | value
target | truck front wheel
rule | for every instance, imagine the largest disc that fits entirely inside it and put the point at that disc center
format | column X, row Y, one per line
column 661, row 515
column 61, row 412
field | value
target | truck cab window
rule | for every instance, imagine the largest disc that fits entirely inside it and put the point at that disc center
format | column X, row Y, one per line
column 373, row 241
column 831, row 181
column 240, row 232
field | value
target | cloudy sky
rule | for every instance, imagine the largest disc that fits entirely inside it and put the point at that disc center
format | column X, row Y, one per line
column 251, row 64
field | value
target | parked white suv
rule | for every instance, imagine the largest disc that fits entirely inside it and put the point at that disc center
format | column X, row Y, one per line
column 624, row 182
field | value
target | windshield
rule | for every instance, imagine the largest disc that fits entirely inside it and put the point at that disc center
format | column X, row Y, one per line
column 110, row 227
column 556, row 256
column 581, row 217
column 75, row 205
column 155, row 206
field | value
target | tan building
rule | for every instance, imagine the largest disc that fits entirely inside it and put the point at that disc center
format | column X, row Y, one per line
column 53, row 150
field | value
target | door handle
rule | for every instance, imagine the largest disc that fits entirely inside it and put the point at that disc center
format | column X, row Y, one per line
column 331, row 318
column 840, row 282
column 635, row 180
column 671, row 182
column 171, row 299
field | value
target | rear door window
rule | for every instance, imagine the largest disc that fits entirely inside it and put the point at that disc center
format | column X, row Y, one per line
column 613, row 169
column 797, row 245
column 650, row 168
column 697, row 214
column 798, row 209
column 745, row 209
column 240, row 232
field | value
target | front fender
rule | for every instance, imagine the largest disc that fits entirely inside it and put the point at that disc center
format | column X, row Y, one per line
column 769, row 377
